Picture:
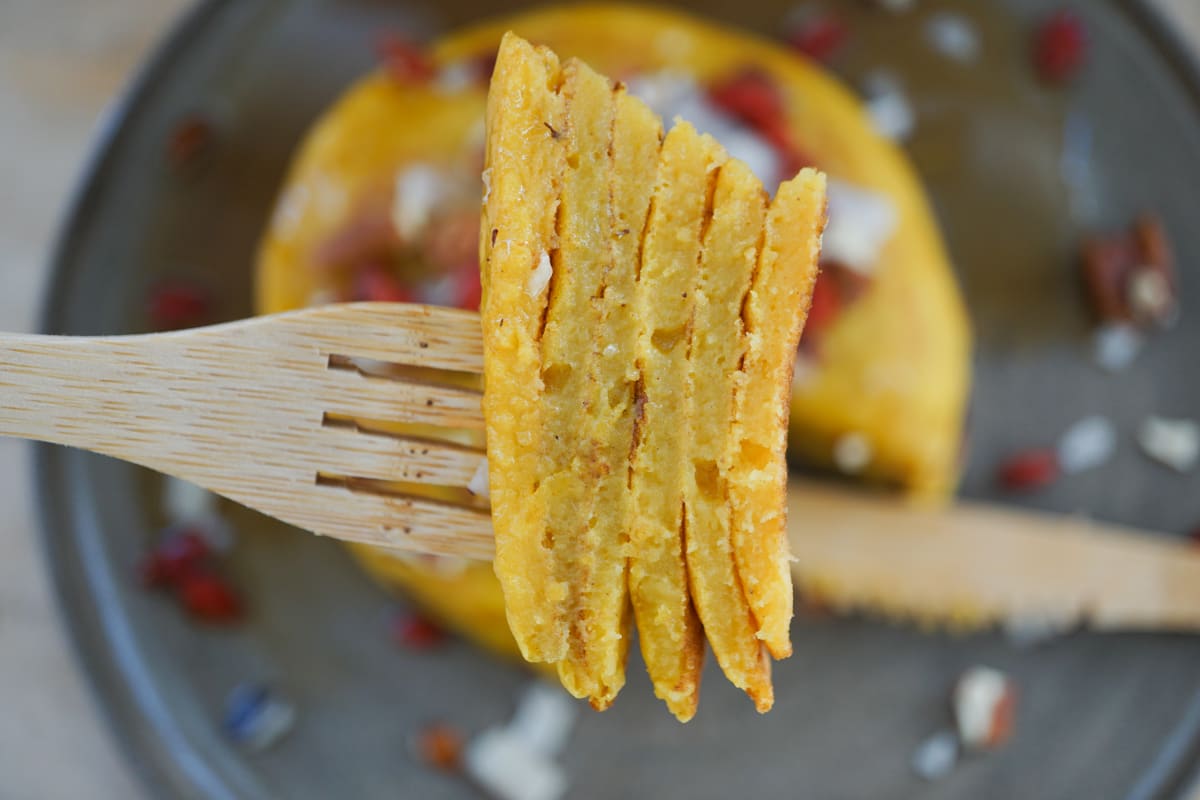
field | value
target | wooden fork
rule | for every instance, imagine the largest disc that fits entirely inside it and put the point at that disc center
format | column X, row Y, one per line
column 359, row 421
column 363, row 422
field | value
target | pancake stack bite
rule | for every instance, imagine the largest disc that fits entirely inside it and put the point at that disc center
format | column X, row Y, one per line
column 643, row 298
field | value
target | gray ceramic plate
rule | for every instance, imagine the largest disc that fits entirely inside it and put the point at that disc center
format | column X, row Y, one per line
column 1100, row 716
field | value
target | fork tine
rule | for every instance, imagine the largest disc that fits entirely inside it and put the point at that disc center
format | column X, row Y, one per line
column 401, row 333
column 350, row 393
column 402, row 523
column 347, row 450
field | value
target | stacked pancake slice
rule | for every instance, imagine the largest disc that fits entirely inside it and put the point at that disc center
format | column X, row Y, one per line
column 643, row 299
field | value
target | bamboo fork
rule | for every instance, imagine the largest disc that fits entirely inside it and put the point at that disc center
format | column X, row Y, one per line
column 280, row 414
column 299, row 416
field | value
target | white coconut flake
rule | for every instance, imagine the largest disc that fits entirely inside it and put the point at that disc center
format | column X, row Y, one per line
column 478, row 485
column 935, row 757
column 290, row 210
column 805, row 371
column 487, row 183
column 861, row 223
column 888, row 106
column 507, row 768
column 672, row 95
column 454, row 77
column 544, row 718
column 852, row 453
column 1087, row 444
column 1172, row 442
column 953, row 36
column 184, row 501
column 610, row 350
column 539, row 279
column 419, row 189
column 1115, row 346
column 978, row 698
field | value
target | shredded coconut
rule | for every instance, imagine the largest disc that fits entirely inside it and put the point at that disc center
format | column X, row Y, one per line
column 953, row 36
column 852, row 452
column 1087, row 444
column 509, row 769
column 419, row 189
column 487, row 184
column 672, row 95
column 478, row 484
column 539, row 279
column 861, row 223
column 1172, row 442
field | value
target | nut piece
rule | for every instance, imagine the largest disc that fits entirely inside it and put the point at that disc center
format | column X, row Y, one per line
column 984, row 705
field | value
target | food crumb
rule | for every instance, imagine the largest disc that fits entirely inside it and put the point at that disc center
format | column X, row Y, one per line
column 888, row 106
column 257, row 717
column 1172, row 442
column 539, row 279
column 440, row 746
column 852, row 453
column 416, row 631
column 984, row 708
column 1116, row 345
column 1029, row 470
column 1087, row 444
column 506, row 767
column 953, row 36
column 1060, row 47
column 936, row 757
column 478, row 485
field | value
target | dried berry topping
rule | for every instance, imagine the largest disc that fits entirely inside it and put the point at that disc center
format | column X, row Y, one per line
column 1029, row 470
column 984, row 708
column 171, row 561
column 752, row 97
column 1060, row 47
column 374, row 282
column 1130, row 276
column 440, row 746
column 837, row 286
column 468, row 287
column 208, row 597
column 819, row 36
column 176, row 304
column 417, row 632
column 188, row 141
column 368, row 236
column 402, row 59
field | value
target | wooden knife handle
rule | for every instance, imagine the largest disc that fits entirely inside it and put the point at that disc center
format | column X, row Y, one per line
column 969, row 565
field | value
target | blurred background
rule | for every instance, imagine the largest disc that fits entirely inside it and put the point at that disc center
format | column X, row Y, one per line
column 62, row 63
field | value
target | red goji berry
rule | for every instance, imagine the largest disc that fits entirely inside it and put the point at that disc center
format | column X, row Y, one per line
column 175, row 305
column 819, row 37
column 417, row 632
column 1028, row 470
column 373, row 282
column 440, row 746
column 402, row 59
column 468, row 290
column 826, row 304
column 172, row 560
column 750, row 96
column 209, row 598
column 1060, row 47
column 188, row 140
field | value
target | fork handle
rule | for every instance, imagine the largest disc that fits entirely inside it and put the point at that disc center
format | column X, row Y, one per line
column 110, row 395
